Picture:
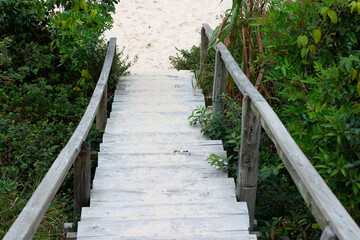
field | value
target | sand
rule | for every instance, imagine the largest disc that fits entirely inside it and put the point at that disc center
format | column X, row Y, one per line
column 151, row 29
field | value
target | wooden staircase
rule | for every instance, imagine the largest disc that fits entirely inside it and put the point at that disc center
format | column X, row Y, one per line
column 152, row 179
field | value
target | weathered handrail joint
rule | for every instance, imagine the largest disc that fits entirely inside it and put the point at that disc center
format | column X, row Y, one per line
column 331, row 216
column 30, row 217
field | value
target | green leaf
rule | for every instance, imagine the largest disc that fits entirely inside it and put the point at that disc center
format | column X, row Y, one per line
column 312, row 48
column 352, row 37
column 317, row 35
column 302, row 41
column 324, row 11
column 358, row 7
column 333, row 16
column 358, row 88
column 343, row 172
column 85, row 73
column 353, row 6
column 304, row 51
column 353, row 74
column 334, row 172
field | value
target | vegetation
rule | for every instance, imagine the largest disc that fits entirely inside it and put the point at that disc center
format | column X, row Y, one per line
column 303, row 56
column 51, row 54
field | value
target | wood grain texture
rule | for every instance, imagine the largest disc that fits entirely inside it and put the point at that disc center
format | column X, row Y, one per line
column 248, row 158
column 204, row 45
column 101, row 115
column 82, row 179
column 29, row 219
column 219, row 84
column 323, row 204
column 153, row 179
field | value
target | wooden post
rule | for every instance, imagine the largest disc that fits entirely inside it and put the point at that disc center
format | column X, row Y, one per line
column 248, row 159
column 101, row 115
column 328, row 234
column 82, row 180
column 219, row 84
column 203, row 51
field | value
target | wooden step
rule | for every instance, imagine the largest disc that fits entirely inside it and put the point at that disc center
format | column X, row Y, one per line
column 166, row 228
column 153, row 137
column 147, row 107
column 180, row 129
column 186, row 98
column 171, row 184
column 158, row 173
column 160, row 148
column 168, row 211
column 185, row 159
column 234, row 235
column 196, row 92
column 153, row 180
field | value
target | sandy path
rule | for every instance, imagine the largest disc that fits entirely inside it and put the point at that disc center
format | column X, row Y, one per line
column 151, row 29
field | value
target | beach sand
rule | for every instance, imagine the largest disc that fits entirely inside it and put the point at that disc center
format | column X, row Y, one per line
column 151, row 29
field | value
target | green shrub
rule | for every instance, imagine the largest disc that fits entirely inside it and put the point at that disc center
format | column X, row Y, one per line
column 309, row 71
column 51, row 54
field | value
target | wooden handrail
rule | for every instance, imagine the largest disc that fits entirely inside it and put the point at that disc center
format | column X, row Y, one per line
column 30, row 217
column 331, row 216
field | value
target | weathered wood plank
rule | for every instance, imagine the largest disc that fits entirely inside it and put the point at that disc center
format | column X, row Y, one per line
column 172, row 183
column 159, row 148
column 82, row 180
column 196, row 92
column 196, row 99
column 159, row 173
column 219, row 84
column 324, row 205
column 248, row 158
column 155, row 212
column 110, row 54
column 204, row 45
column 152, row 137
column 233, row 235
column 187, row 109
column 101, row 114
column 165, row 228
column 120, row 129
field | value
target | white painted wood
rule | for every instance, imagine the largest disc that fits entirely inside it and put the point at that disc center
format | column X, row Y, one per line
column 324, row 205
column 29, row 219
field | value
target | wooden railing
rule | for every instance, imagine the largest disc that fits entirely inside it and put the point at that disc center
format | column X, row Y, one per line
column 331, row 216
column 76, row 150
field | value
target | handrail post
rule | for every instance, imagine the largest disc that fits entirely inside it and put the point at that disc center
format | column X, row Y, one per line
column 247, row 175
column 82, row 180
column 328, row 234
column 101, row 115
column 219, row 84
column 203, row 51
